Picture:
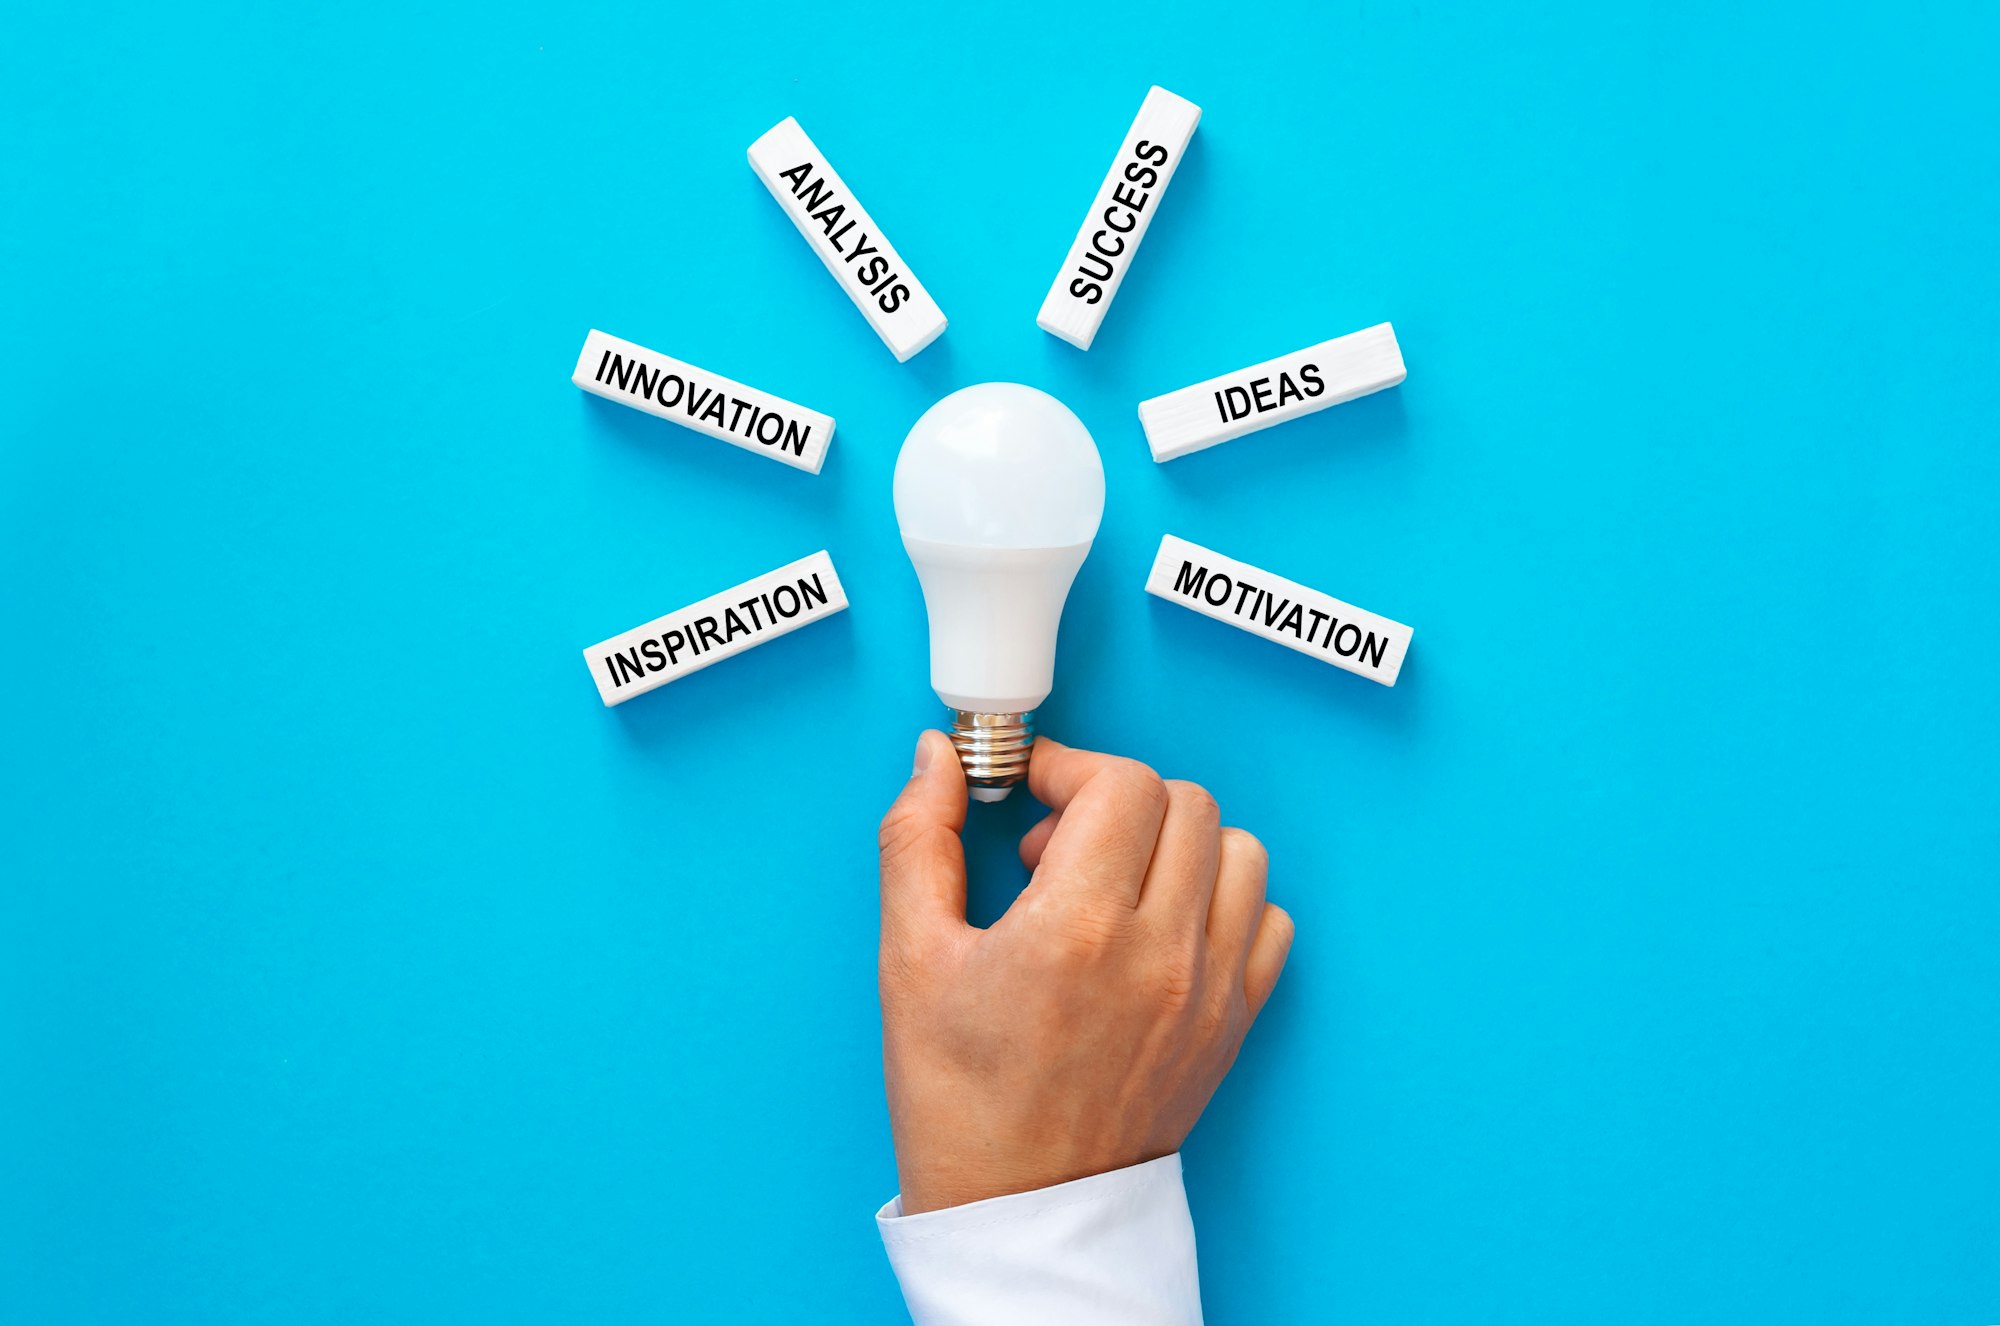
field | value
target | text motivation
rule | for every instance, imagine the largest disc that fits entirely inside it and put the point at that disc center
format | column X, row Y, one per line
column 1279, row 609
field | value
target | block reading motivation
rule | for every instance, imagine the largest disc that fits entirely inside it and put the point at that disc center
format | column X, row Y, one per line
column 1278, row 609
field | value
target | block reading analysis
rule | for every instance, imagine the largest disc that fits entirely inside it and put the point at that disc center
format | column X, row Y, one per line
column 846, row 239
column 827, row 209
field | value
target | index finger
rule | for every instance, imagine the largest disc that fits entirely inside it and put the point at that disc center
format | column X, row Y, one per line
column 1110, row 815
column 1056, row 773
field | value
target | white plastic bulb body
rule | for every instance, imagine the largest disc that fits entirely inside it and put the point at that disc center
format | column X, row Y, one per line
column 999, row 492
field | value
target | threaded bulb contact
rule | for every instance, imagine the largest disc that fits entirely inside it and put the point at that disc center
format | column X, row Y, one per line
column 994, row 749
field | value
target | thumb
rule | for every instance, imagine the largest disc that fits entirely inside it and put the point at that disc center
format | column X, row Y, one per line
column 923, row 862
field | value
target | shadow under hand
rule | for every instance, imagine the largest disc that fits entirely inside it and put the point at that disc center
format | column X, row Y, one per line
column 993, row 869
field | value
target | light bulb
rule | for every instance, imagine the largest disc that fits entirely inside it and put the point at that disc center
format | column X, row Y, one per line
column 998, row 493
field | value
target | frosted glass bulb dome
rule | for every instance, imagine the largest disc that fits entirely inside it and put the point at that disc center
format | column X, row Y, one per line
column 998, row 493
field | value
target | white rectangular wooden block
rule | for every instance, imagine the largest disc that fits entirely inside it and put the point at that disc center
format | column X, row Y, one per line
column 1357, row 364
column 704, row 401
column 1118, row 218
column 716, row 628
column 862, row 260
column 1279, row 609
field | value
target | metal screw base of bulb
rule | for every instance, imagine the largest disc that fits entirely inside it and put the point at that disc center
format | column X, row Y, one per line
column 994, row 749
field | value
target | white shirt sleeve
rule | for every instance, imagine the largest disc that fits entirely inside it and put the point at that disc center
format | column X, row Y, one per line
column 1114, row 1249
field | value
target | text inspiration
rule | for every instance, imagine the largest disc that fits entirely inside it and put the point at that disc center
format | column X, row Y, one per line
column 718, row 627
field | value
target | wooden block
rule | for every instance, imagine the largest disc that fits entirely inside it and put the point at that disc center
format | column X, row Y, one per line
column 1118, row 218
column 716, row 628
column 1279, row 609
column 704, row 401
column 862, row 260
column 1227, row 407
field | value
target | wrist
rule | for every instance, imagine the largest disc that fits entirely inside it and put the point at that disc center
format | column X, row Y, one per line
column 962, row 1180
column 935, row 1189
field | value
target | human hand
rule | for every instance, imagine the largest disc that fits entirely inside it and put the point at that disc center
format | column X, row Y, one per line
column 1087, row 1029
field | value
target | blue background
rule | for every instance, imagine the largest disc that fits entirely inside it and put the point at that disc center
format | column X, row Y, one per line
column 358, row 966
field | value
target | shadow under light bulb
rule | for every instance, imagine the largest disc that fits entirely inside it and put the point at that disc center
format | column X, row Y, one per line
column 998, row 493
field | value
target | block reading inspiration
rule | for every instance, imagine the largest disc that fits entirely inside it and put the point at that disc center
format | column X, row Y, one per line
column 1279, row 609
column 718, row 627
column 704, row 401
column 861, row 259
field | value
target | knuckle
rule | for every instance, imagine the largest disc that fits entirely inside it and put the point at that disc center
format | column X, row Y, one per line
column 1176, row 977
column 898, row 831
column 1282, row 927
column 1136, row 769
column 1236, row 1016
column 1217, row 1020
column 1139, row 787
column 899, row 969
column 1085, row 933
column 1248, row 847
column 1193, row 799
column 914, row 956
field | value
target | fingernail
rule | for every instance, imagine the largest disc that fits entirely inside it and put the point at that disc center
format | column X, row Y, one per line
column 923, row 757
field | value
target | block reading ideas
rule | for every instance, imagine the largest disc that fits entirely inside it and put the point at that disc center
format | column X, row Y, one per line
column 1261, row 395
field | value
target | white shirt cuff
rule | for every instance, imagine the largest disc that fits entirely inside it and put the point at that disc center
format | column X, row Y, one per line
column 1114, row 1249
